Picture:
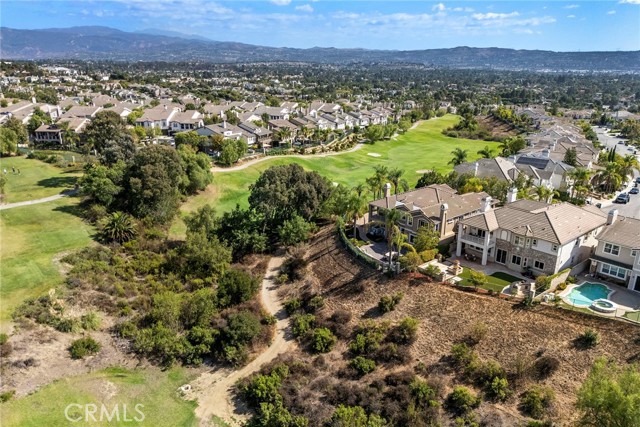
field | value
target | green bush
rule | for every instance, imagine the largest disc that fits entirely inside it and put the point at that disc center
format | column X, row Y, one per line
column 3, row 338
column 7, row 395
column 461, row 400
column 463, row 355
column 90, row 321
column 323, row 340
column 406, row 332
column 68, row 324
column 410, row 262
column 235, row 287
column 368, row 338
column 292, row 305
column 388, row 303
column 432, row 271
column 302, row 323
column 423, row 394
column 428, row 255
column 315, row 303
column 362, row 365
column 562, row 286
column 589, row 339
column 499, row 389
column 536, row 401
column 477, row 332
column 83, row 347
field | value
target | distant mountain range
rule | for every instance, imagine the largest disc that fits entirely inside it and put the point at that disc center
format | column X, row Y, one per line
column 103, row 43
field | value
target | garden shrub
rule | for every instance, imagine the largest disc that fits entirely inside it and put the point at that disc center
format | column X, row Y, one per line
column 428, row 255
column 561, row 286
column 499, row 389
column 461, row 400
column 302, row 323
column 536, row 401
column 432, row 271
column 362, row 365
column 83, row 347
column 292, row 305
column 588, row 339
column 388, row 303
column 410, row 262
column 323, row 340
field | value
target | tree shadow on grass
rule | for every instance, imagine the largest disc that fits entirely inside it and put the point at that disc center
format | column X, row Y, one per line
column 58, row 181
column 75, row 210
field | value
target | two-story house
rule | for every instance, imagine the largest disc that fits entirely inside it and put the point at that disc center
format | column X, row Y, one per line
column 528, row 234
column 437, row 205
column 617, row 257
column 186, row 121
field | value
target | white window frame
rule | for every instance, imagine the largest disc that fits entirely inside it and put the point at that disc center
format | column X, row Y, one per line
column 409, row 220
column 634, row 252
column 518, row 241
column 613, row 271
column 538, row 265
column 613, row 249
column 421, row 223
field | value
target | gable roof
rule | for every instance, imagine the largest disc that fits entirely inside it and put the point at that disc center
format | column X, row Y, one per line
column 624, row 232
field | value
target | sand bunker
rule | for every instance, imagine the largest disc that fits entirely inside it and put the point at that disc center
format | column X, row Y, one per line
column 374, row 154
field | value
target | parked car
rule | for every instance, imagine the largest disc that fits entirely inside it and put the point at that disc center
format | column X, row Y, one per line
column 638, row 180
column 622, row 198
column 634, row 190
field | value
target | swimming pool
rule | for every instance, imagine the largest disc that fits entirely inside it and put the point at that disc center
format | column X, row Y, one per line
column 587, row 293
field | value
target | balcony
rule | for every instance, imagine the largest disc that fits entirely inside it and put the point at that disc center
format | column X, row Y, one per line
column 476, row 240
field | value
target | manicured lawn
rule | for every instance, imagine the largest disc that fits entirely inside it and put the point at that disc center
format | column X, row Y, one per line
column 497, row 281
column 422, row 148
column 151, row 387
column 37, row 179
column 31, row 236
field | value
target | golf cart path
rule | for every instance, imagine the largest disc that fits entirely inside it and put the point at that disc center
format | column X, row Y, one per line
column 36, row 201
column 214, row 390
column 217, row 169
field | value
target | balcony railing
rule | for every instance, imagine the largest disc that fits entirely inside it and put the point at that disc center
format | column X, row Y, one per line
column 476, row 240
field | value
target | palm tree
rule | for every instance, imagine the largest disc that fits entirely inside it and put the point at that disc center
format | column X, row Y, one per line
column 118, row 227
column 395, row 177
column 486, row 152
column 543, row 193
column 356, row 207
column 359, row 189
column 69, row 137
column 459, row 156
column 580, row 177
column 391, row 219
column 283, row 134
column 628, row 164
column 610, row 177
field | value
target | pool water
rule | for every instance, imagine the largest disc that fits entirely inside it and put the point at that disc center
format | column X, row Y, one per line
column 587, row 293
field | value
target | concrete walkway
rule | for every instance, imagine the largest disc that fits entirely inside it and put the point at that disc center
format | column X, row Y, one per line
column 65, row 193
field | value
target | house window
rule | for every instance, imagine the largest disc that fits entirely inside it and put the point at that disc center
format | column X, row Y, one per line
column 518, row 241
column 421, row 223
column 501, row 256
column 538, row 265
column 634, row 252
column 410, row 220
column 612, row 270
column 554, row 248
column 411, row 237
column 534, row 242
column 515, row 259
column 611, row 249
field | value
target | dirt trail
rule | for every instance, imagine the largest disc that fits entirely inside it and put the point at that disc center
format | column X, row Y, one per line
column 214, row 391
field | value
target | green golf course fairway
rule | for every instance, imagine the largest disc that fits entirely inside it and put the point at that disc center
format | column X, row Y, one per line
column 419, row 149
column 153, row 388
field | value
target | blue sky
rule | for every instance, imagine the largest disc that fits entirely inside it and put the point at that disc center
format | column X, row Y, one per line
column 548, row 25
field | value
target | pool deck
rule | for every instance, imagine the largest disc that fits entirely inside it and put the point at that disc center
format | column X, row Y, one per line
column 625, row 299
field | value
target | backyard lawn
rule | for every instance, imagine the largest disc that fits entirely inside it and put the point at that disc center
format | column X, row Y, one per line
column 497, row 281
column 36, row 180
column 154, row 388
column 422, row 148
column 31, row 236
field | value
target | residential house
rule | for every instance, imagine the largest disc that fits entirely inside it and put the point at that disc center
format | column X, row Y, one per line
column 53, row 135
column 262, row 134
column 185, row 121
column 227, row 130
column 157, row 118
column 528, row 234
column 617, row 256
column 80, row 111
column 438, row 205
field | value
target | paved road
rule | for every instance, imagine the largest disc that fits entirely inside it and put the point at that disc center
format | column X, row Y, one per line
column 36, row 201
column 631, row 209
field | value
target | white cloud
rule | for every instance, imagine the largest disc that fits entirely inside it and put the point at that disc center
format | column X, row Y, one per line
column 439, row 7
column 572, row 6
column 281, row 2
column 630, row 1
column 462, row 9
column 492, row 15
column 611, row 12
column 305, row 8
column 571, row 16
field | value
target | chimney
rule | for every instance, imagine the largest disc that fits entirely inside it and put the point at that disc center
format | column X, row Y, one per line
column 444, row 208
column 612, row 216
column 387, row 190
column 486, row 204
column 475, row 169
column 224, row 124
column 512, row 195
column 545, row 153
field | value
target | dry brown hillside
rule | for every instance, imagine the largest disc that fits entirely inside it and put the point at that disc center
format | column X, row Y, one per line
column 446, row 315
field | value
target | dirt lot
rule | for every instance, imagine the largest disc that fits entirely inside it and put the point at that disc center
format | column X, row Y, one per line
column 446, row 316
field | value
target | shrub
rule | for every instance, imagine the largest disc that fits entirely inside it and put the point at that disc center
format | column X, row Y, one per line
column 572, row 279
column 461, row 400
column 499, row 388
column 83, row 347
column 542, row 283
column 368, row 339
column 546, row 366
column 302, row 323
column 323, row 340
column 432, row 271
column 3, row 338
column 406, row 332
column 7, row 395
column 410, row 262
column 362, row 365
column 235, row 287
column 423, row 394
column 477, row 333
column 536, row 401
column 269, row 319
column 67, row 324
column 388, row 303
column 428, row 255
column 562, row 286
column 588, row 339
column 264, row 388
column 315, row 303
column 486, row 372
column 463, row 355
column 90, row 321
column 292, row 305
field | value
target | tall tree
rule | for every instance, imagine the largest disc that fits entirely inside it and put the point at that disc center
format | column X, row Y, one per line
column 459, row 156
column 21, row 131
column 395, row 177
column 571, row 157
column 106, row 128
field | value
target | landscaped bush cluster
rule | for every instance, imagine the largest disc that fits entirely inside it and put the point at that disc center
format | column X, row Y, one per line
column 83, row 347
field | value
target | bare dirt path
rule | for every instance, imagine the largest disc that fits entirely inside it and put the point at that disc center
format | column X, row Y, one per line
column 36, row 201
column 302, row 156
column 214, row 390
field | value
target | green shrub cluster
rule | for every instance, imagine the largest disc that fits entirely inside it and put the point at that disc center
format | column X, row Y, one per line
column 536, row 401
column 388, row 303
column 83, row 347
column 362, row 365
